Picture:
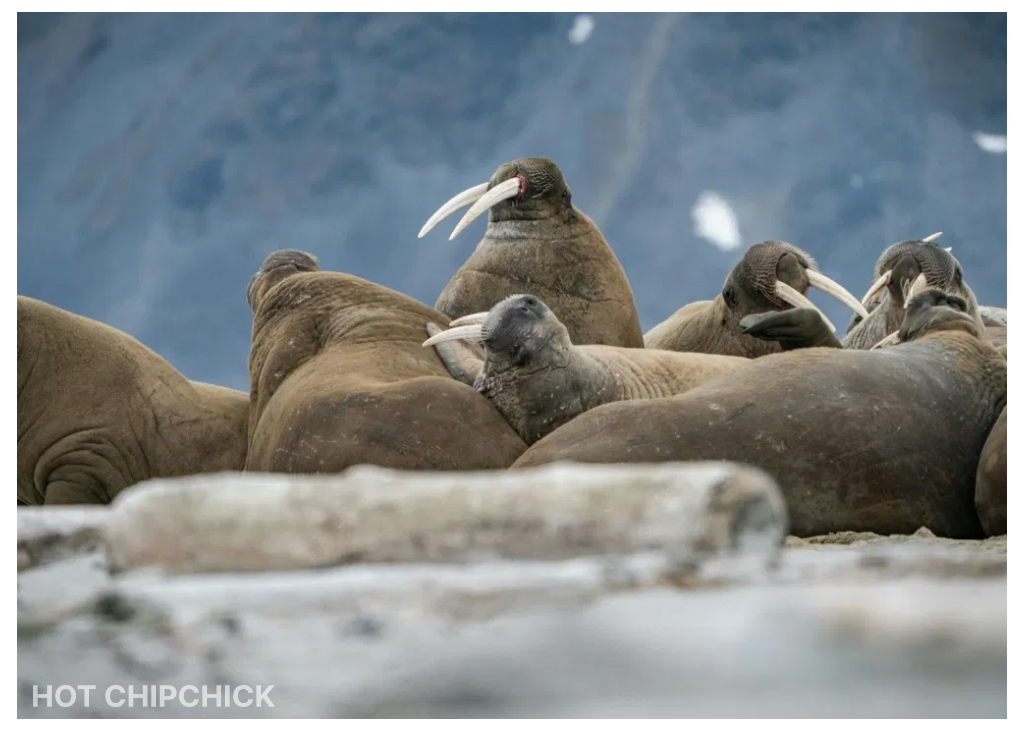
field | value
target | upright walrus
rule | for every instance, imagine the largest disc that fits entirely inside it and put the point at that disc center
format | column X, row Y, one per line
column 539, row 380
column 339, row 378
column 537, row 241
column 884, row 441
column 98, row 412
column 773, row 275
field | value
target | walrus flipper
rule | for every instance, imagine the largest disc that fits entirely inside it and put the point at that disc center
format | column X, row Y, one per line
column 459, row 358
column 792, row 329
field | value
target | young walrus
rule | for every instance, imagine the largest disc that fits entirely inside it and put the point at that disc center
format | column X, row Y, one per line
column 771, row 276
column 99, row 412
column 537, row 241
column 884, row 441
column 539, row 380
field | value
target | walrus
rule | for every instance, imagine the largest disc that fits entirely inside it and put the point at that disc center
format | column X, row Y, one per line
column 772, row 275
column 990, row 491
column 98, row 412
column 538, row 241
column 884, row 441
column 338, row 378
column 539, row 380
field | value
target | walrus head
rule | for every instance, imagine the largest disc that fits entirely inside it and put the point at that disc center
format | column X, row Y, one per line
column 517, row 329
column 775, row 275
column 278, row 265
column 929, row 310
column 525, row 189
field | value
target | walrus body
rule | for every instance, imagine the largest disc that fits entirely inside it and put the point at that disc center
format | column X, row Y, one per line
column 539, row 380
column 990, row 496
column 884, row 441
column 98, row 412
column 537, row 241
column 771, row 276
column 339, row 378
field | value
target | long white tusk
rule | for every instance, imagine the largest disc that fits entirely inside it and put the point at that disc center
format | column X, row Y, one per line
column 453, row 204
column 462, row 333
column 833, row 288
column 879, row 285
column 500, row 192
column 891, row 339
column 932, row 237
column 797, row 300
column 917, row 286
column 472, row 318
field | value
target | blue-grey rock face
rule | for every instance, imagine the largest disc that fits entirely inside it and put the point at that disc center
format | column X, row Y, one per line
column 161, row 157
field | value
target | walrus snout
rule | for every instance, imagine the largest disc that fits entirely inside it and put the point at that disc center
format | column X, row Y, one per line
column 777, row 274
column 524, row 180
column 899, row 265
column 929, row 309
column 510, row 320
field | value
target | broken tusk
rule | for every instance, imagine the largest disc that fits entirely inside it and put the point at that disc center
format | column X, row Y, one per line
column 472, row 318
column 949, row 249
column 891, row 339
column 918, row 285
column 932, row 237
column 462, row 333
column 797, row 300
column 501, row 192
column 468, row 196
column 833, row 288
column 879, row 285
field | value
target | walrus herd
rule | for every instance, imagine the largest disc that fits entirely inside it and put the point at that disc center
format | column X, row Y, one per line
column 533, row 354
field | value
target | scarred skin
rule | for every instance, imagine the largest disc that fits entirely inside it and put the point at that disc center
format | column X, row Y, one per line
column 713, row 326
column 539, row 380
column 884, row 441
column 99, row 412
column 542, row 244
column 339, row 378
column 990, row 495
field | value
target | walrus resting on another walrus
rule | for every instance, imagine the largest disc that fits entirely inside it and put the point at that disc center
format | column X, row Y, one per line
column 339, row 378
column 884, row 441
column 537, row 241
column 539, row 380
column 772, row 275
column 98, row 412
column 990, row 496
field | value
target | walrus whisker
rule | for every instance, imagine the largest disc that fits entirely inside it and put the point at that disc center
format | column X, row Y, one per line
column 833, row 288
column 933, row 237
column 890, row 340
column 471, row 319
column 880, row 284
column 794, row 298
column 453, row 204
column 501, row 192
column 462, row 333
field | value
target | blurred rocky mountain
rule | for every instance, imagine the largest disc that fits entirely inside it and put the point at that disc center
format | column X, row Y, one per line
column 162, row 156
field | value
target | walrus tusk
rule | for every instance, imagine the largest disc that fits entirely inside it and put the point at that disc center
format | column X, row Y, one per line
column 915, row 287
column 468, row 196
column 932, row 237
column 833, row 288
column 879, row 285
column 505, row 190
column 470, row 319
column 797, row 300
column 462, row 333
column 891, row 339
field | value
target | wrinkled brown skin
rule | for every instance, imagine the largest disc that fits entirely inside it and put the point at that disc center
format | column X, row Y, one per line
column 997, row 334
column 539, row 380
column 99, row 412
column 907, row 260
column 990, row 495
column 884, row 441
column 339, row 378
column 542, row 244
column 712, row 326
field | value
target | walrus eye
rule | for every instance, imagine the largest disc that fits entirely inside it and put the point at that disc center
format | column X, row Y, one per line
column 730, row 297
column 959, row 276
column 566, row 197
